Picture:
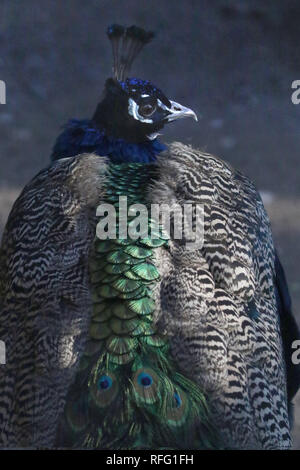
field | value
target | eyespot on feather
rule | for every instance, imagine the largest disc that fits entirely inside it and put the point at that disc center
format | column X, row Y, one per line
column 104, row 389
column 145, row 383
column 177, row 411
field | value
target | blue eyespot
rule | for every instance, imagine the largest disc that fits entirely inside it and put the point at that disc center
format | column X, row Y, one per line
column 178, row 401
column 104, row 382
column 145, row 380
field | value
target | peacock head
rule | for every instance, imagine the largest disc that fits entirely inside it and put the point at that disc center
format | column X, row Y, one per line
column 131, row 108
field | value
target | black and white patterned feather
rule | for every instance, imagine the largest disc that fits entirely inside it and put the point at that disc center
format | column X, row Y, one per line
column 217, row 305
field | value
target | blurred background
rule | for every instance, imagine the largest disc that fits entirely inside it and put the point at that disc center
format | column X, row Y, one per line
column 231, row 61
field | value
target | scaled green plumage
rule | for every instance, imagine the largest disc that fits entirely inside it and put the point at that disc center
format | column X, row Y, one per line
column 128, row 393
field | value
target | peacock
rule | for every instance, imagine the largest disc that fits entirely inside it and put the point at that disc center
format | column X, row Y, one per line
column 128, row 338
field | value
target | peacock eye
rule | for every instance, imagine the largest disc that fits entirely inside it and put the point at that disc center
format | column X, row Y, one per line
column 147, row 110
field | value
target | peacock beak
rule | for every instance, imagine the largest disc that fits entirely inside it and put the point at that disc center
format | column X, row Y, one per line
column 177, row 111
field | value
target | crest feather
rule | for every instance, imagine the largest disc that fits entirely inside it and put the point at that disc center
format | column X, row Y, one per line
column 127, row 43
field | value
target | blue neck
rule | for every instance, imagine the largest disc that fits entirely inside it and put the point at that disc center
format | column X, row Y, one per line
column 80, row 136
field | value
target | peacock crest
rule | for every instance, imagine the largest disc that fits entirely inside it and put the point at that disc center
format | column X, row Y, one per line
column 126, row 43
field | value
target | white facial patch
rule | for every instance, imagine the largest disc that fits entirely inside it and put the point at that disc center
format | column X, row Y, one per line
column 153, row 136
column 162, row 106
column 133, row 110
